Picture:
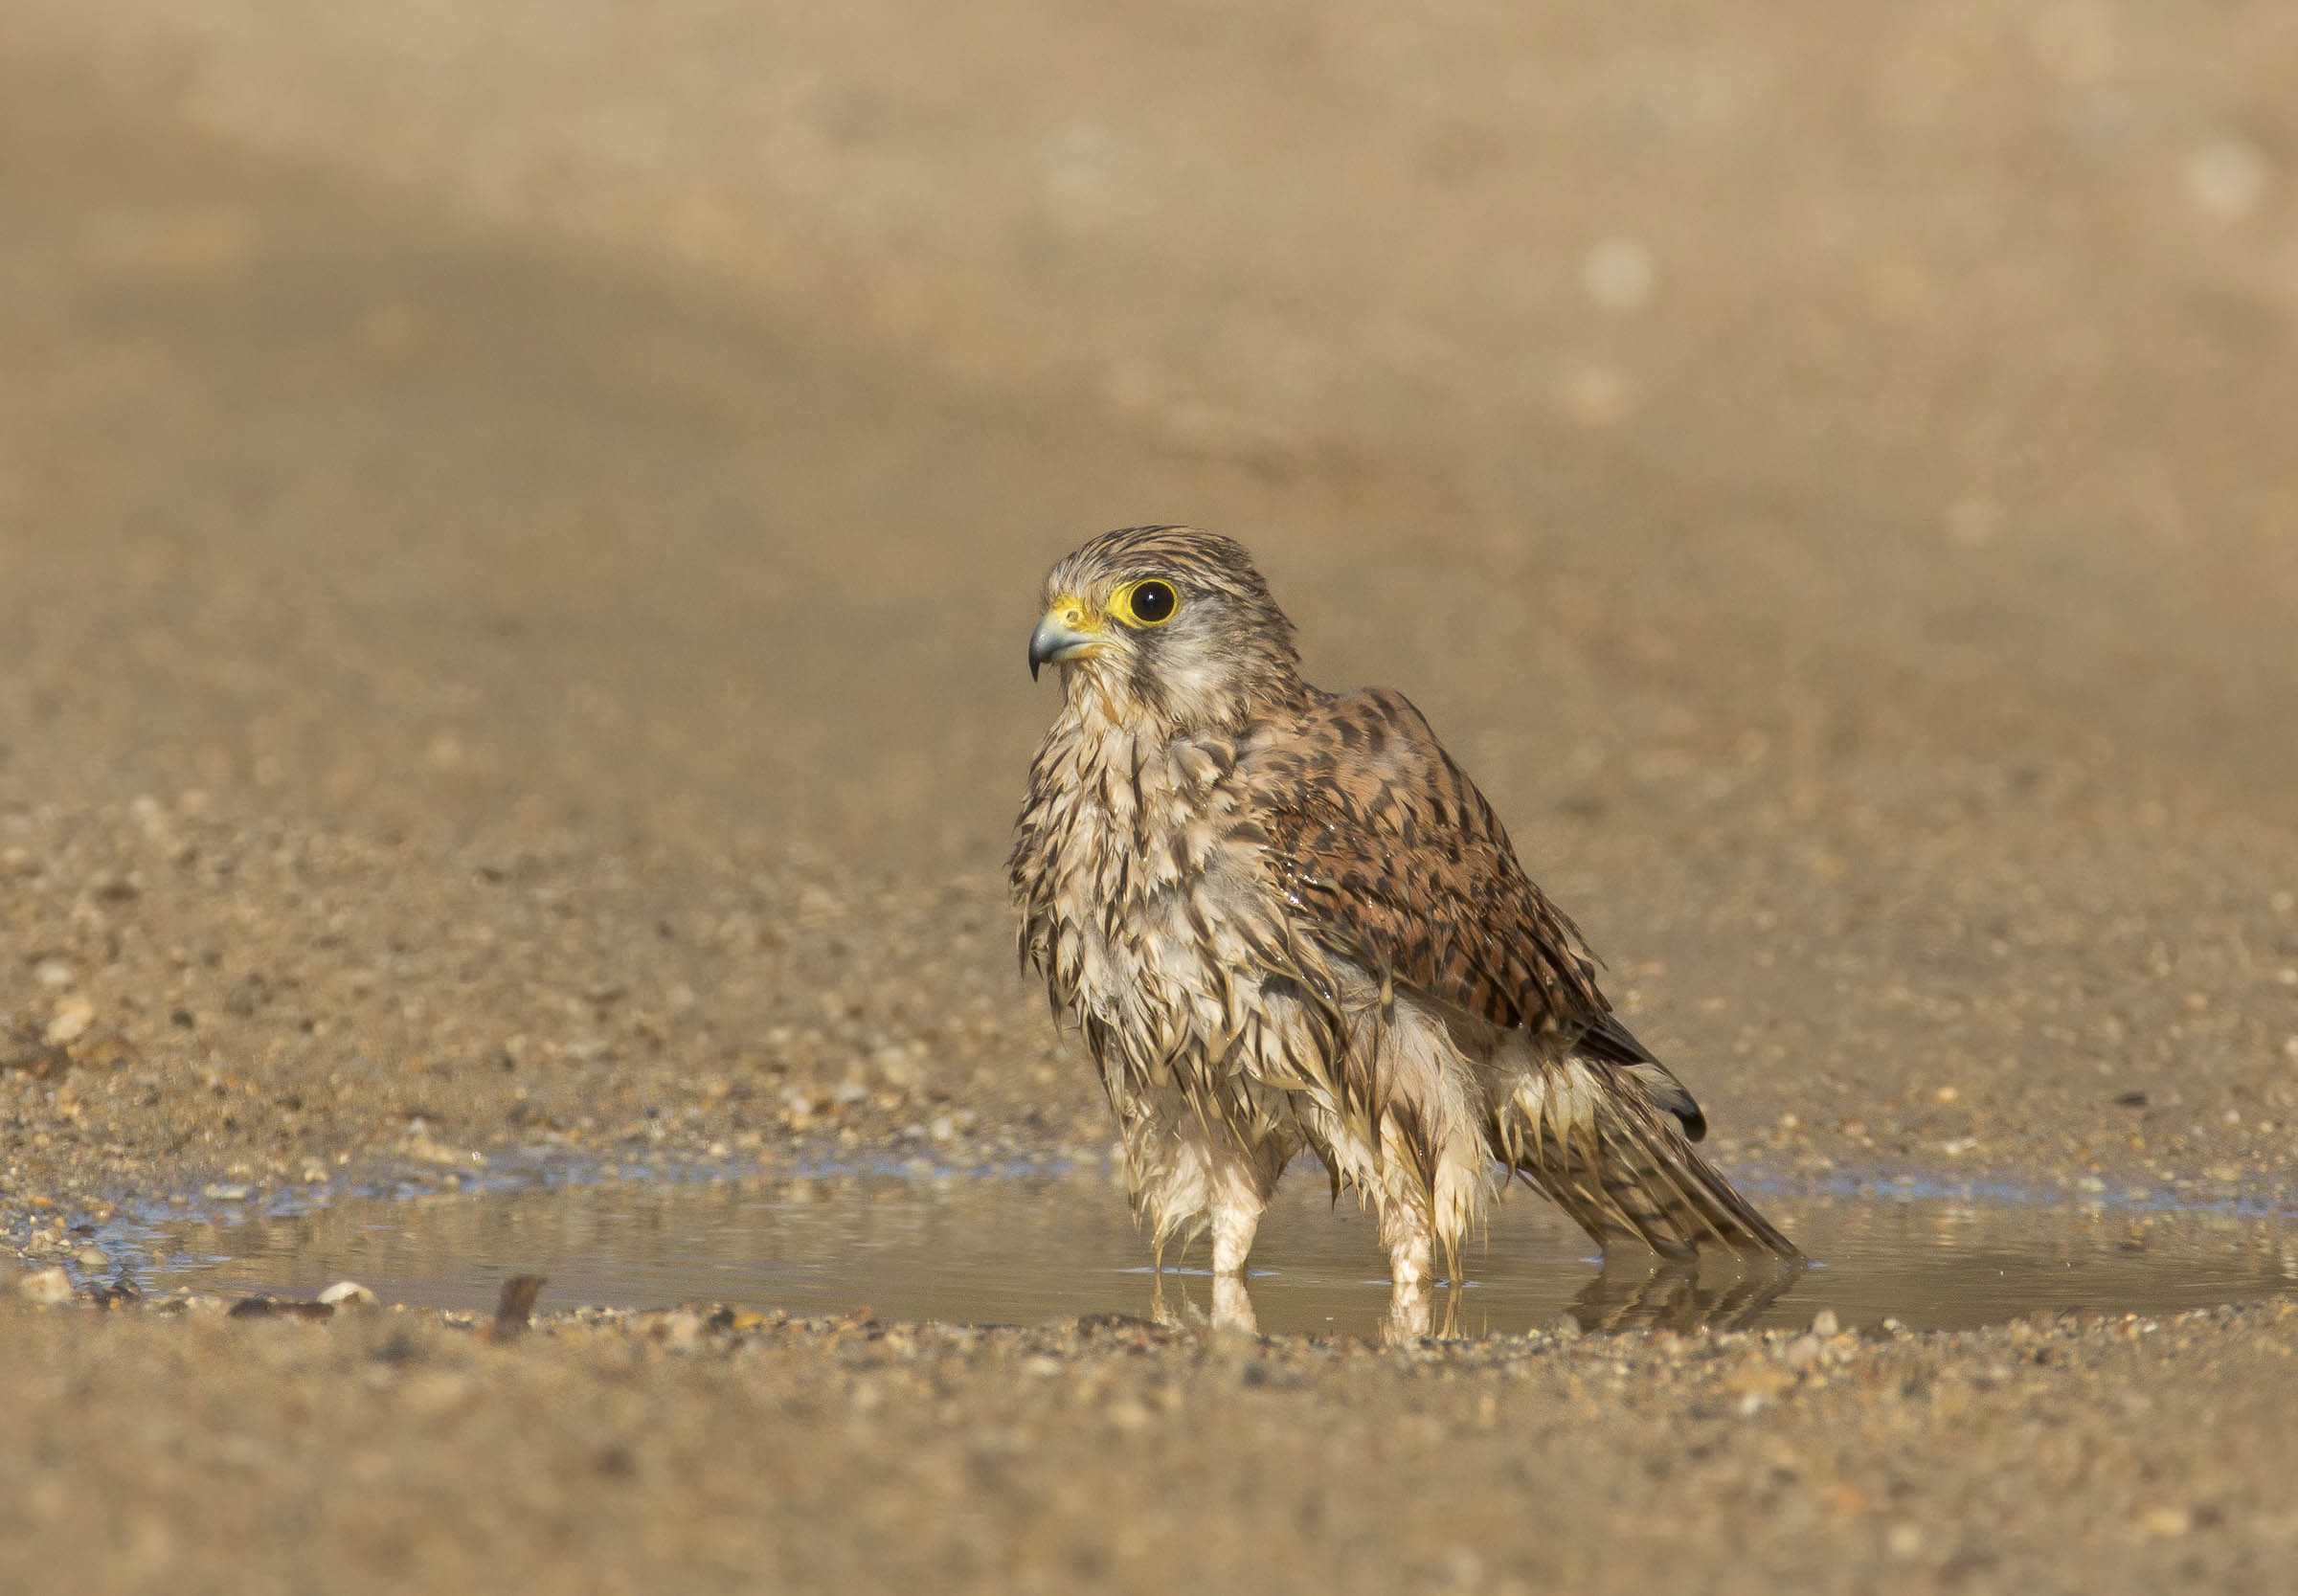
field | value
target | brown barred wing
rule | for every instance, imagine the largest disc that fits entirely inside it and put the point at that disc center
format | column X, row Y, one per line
column 1392, row 858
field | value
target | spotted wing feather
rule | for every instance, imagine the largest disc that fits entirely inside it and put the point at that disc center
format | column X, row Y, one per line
column 1394, row 859
column 1390, row 858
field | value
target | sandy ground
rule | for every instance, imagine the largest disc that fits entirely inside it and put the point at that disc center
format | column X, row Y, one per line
column 518, row 530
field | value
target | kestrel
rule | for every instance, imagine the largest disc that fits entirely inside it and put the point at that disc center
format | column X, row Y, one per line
column 1285, row 921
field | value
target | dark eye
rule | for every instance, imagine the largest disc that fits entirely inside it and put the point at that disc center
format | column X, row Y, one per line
column 1149, row 602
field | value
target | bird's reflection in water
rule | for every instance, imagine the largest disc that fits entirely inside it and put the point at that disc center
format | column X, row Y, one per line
column 1176, row 1310
column 1663, row 1294
column 1645, row 1293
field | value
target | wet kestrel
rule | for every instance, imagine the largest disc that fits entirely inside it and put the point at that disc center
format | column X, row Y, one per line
column 1285, row 921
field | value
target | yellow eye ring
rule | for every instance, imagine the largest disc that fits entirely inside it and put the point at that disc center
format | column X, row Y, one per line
column 1150, row 601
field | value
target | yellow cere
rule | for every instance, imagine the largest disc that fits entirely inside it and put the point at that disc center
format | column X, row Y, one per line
column 1073, row 613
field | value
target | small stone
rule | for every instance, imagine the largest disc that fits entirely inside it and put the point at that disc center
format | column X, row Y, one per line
column 93, row 1258
column 51, row 971
column 1847, row 1500
column 943, row 1129
column 224, row 1192
column 69, row 1022
column 348, row 1293
column 2229, row 177
column 1825, row 1323
column 1619, row 276
column 47, row 1286
column 681, row 1329
column 1803, row 1352
column 2167, row 1522
column 2091, row 1184
column 1903, row 1541
column 1759, row 1379
column 1129, row 1415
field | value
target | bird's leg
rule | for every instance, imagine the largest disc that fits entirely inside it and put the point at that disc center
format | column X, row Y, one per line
column 1235, row 1196
column 1234, row 1224
column 1407, row 1234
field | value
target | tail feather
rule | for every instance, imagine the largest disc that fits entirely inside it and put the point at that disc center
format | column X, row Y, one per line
column 1586, row 1134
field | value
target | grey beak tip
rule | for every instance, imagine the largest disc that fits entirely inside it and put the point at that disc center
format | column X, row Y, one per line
column 1034, row 662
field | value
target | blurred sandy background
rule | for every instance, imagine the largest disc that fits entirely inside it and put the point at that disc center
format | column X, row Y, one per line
column 1930, row 364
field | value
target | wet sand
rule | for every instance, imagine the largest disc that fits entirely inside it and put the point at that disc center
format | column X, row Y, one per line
column 515, row 601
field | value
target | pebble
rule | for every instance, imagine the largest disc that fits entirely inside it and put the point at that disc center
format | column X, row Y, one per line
column 2167, row 1522
column 1825, row 1323
column 1129, row 1415
column 1619, row 276
column 681, row 1330
column 71, row 1018
column 48, row 1286
column 92, row 1258
column 224, row 1194
column 2229, row 177
column 348, row 1293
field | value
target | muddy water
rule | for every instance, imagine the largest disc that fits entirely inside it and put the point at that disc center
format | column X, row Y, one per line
column 1022, row 1250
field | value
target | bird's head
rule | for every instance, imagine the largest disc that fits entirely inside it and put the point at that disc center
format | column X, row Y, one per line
column 1167, row 622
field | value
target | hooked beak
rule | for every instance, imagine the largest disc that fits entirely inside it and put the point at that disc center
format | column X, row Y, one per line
column 1067, row 631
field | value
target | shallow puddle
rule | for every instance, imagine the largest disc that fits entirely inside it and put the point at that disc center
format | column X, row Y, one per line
column 1018, row 1251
